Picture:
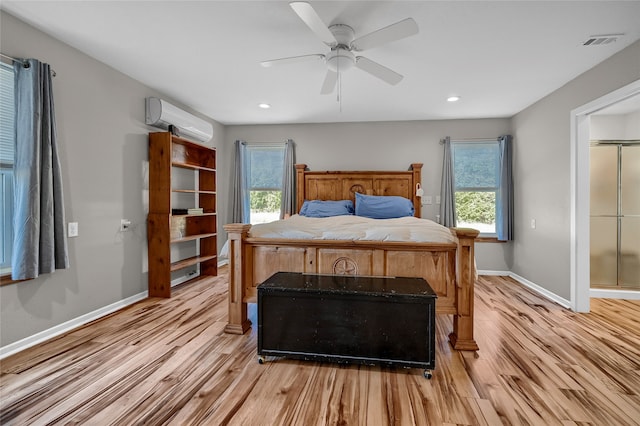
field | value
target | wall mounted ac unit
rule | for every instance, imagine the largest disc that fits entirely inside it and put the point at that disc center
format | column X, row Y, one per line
column 162, row 114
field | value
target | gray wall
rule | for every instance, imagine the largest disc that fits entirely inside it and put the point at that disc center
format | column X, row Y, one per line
column 542, row 171
column 381, row 146
column 103, row 149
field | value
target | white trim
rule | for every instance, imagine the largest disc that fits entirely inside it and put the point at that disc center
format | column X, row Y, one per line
column 540, row 290
column 183, row 279
column 530, row 285
column 42, row 336
column 614, row 294
column 59, row 329
column 579, row 263
column 498, row 273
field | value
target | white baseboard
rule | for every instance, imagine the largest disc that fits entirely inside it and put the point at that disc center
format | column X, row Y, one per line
column 496, row 273
column 540, row 290
column 530, row 285
column 40, row 337
column 596, row 293
column 44, row 335
column 27, row 342
column 614, row 294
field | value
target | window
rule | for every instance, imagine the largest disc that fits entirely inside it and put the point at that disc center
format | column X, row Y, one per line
column 265, row 165
column 7, row 142
column 476, row 168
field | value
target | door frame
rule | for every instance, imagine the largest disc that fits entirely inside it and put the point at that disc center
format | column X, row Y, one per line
column 580, row 247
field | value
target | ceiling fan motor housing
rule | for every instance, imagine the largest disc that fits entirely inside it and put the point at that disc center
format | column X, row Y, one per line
column 341, row 58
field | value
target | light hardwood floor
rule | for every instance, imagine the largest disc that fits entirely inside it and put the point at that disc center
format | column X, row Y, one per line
column 167, row 361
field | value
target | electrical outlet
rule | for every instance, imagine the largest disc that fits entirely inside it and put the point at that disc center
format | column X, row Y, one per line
column 72, row 229
column 125, row 224
column 533, row 224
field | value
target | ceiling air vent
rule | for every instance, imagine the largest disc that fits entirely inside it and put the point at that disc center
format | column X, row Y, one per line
column 601, row 40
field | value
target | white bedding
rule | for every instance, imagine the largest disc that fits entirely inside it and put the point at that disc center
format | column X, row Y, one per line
column 354, row 228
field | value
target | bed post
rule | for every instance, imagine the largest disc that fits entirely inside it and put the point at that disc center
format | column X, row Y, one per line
column 416, row 168
column 462, row 336
column 238, row 320
column 300, row 189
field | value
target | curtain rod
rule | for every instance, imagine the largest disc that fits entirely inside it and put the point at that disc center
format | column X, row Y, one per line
column 11, row 58
column 265, row 144
column 470, row 140
column 22, row 61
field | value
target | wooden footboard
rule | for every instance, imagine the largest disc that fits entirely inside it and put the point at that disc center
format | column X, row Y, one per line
column 449, row 269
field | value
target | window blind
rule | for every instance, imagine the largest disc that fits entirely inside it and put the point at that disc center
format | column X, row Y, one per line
column 476, row 165
column 7, row 115
column 265, row 165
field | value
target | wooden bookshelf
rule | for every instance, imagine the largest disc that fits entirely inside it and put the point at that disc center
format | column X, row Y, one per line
column 166, row 153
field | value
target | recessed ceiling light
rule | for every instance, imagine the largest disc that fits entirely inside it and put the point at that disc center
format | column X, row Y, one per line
column 264, row 106
column 453, row 98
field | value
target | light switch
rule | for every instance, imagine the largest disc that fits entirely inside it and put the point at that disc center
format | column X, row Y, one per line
column 428, row 199
column 533, row 224
column 437, row 199
column 72, row 230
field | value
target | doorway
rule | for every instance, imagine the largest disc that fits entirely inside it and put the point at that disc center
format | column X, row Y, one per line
column 580, row 221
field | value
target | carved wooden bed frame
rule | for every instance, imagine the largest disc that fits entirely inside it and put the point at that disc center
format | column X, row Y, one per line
column 448, row 267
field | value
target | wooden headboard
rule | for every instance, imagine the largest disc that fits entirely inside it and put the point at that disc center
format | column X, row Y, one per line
column 342, row 185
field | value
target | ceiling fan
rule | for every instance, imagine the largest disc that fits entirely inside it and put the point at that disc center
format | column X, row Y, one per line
column 343, row 43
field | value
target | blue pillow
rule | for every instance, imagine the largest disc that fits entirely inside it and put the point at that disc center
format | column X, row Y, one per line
column 320, row 208
column 383, row 206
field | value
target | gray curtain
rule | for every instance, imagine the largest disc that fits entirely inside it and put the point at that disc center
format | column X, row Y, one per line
column 39, row 243
column 288, row 203
column 504, row 202
column 447, row 191
column 240, row 205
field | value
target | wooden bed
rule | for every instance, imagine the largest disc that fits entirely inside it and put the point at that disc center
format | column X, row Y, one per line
column 448, row 267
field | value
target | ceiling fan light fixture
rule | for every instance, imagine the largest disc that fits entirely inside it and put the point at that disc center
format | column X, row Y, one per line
column 340, row 60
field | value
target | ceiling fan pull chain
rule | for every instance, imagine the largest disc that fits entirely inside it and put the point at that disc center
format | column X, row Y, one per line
column 339, row 77
column 339, row 94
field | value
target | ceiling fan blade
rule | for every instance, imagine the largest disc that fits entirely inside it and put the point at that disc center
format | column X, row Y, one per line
column 313, row 21
column 393, row 32
column 291, row 59
column 377, row 70
column 329, row 82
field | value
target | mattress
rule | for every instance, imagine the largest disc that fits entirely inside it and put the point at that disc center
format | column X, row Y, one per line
column 355, row 228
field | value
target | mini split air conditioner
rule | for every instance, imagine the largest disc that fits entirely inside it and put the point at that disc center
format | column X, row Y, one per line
column 162, row 114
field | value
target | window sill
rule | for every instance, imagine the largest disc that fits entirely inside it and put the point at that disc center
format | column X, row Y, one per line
column 5, row 279
column 488, row 239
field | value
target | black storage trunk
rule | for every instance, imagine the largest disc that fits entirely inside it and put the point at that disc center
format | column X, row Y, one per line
column 340, row 318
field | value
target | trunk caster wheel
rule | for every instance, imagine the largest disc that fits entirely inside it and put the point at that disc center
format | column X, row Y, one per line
column 427, row 374
column 261, row 359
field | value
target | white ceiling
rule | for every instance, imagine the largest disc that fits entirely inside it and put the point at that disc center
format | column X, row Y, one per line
column 500, row 57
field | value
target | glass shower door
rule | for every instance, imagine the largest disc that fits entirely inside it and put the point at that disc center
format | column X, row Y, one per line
column 604, row 215
column 629, row 275
column 615, row 215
